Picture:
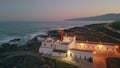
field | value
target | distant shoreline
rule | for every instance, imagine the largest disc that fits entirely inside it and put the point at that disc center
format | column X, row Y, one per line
column 67, row 29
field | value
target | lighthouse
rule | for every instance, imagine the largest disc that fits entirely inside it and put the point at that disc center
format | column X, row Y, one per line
column 61, row 34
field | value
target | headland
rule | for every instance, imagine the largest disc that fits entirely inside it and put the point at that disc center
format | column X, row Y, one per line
column 10, row 53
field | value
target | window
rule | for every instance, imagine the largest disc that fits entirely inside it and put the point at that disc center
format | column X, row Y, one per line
column 51, row 45
column 97, row 47
column 75, row 56
column 59, row 53
column 107, row 48
column 85, row 57
column 112, row 48
column 66, row 55
column 70, row 54
column 80, row 57
column 44, row 44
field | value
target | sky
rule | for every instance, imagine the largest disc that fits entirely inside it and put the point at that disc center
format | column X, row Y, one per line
column 55, row 10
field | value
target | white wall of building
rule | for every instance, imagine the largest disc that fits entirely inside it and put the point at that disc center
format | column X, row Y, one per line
column 47, row 44
column 58, row 54
column 45, row 50
column 95, row 47
column 78, row 50
column 67, row 39
column 81, row 54
column 60, row 46
column 72, row 44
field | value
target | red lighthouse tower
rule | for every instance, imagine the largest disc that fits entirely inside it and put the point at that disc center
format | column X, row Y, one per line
column 61, row 34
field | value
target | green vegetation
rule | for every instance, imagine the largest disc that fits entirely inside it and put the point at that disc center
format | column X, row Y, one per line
column 93, row 32
column 28, row 61
column 27, row 56
column 112, row 31
column 116, row 25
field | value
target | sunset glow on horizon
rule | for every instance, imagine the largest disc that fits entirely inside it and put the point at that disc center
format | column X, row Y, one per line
column 55, row 10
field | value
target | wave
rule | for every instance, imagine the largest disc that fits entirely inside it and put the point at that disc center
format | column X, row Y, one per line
column 24, row 39
column 29, row 31
column 6, row 39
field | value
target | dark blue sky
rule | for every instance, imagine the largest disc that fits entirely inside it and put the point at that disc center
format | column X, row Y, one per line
column 54, row 10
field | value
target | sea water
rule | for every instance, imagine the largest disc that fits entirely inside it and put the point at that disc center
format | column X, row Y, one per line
column 27, row 30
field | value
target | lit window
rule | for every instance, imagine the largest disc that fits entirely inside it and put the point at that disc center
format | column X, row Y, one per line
column 94, row 52
column 116, row 46
column 100, row 46
column 82, row 45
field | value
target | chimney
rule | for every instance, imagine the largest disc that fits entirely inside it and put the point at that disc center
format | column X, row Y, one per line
column 61, row 34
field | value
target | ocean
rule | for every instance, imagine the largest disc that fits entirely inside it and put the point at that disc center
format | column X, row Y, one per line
column 27, row 30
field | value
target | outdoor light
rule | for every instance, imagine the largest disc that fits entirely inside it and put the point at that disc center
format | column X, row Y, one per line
column 94, row 52
column 68, row 53
column 100, row 46
column 116, row 46
column 82, row 44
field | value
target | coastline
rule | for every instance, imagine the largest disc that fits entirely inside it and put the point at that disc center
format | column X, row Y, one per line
column 29, row 51
column 90, row 32
column 31, row 29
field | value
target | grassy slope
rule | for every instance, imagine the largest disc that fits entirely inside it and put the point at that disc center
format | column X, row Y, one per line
column 91, row 33
column 28, row 61
column 112, row 29
column 27, row 56
column 116, row 25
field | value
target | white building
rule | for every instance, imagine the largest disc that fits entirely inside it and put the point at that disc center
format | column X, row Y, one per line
column 47, row 46
column 68, row 47
column 64, row 48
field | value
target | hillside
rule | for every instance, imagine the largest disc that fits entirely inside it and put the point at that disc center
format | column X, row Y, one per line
column 116, row 25
column 28, row 61
column 105, row 17
column 93, row 33
column 27, row 56
column 112, row 29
